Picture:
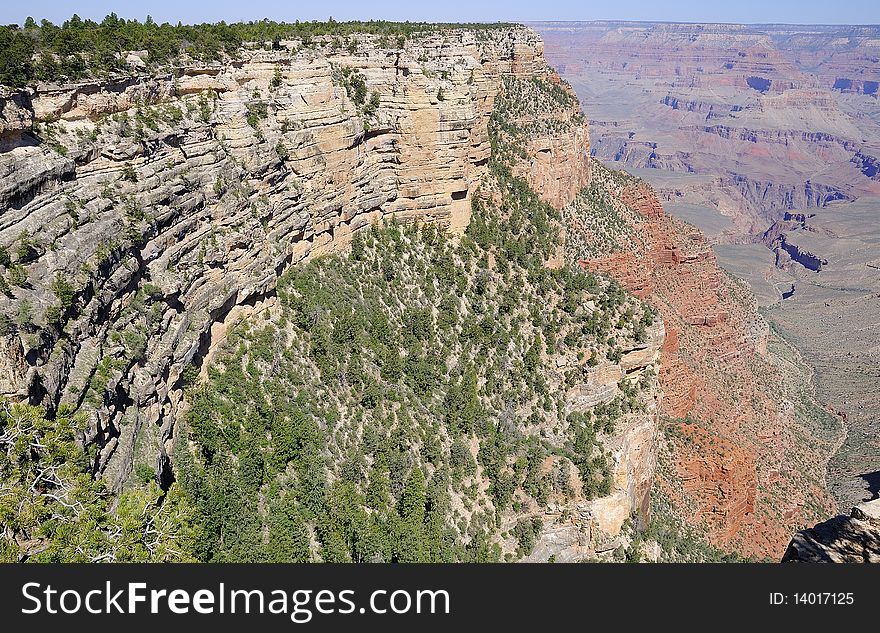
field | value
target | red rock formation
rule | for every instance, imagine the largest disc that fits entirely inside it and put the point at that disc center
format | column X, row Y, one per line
column 742, row 465
column 738, row 452
column 721, row 477
column 643, row 201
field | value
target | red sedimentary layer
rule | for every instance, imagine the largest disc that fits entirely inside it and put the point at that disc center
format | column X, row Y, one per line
column 736, row 453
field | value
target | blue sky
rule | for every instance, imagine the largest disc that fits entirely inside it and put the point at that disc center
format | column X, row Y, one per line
column 747, row 11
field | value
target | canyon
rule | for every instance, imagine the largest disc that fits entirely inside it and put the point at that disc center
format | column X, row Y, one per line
column 765, row 137
column 148, row 217
column 733, row 124
column 153, row 224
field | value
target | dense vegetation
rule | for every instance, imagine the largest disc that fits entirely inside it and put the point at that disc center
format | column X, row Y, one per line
column 53, row 510
column 84, row 48
column 602, row 223
column 403, row 403
column 527, row 107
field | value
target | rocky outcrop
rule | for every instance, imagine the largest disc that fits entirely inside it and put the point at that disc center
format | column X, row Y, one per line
column 159, row 207
column 735, row 448
column 783, row 239
column 559, row 165
column 594, row 529
column 16, row 115
column 868, row 164
column 857, row 86
column 808, row 260
column 843, row 539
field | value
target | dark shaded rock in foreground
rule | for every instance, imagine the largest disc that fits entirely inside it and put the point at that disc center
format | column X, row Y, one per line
column 843, row 539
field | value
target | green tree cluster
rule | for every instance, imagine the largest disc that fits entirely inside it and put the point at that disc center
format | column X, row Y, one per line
column 53, row 510
column 86, row 48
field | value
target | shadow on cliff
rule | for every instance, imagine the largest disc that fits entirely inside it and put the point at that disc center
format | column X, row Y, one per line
column 836, row 540
column 873, row 481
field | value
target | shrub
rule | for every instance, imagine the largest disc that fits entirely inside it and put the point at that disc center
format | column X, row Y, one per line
column 256, row 111
column 63, row 290
column 18, row 275
column 129, row 173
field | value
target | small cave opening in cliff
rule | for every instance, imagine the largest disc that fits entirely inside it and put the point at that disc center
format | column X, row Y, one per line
column 374, row 132
column 459, row 195
column 15, row 139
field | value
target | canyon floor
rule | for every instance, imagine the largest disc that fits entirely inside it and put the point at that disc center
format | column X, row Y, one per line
column 832, row 318
column 766, row 138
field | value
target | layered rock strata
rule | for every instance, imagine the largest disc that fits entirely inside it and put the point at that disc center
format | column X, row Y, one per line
column 736, row 439
column 145, row 215
column 163, row 206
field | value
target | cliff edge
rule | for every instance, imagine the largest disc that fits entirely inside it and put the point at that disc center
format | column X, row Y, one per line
column 843, row 539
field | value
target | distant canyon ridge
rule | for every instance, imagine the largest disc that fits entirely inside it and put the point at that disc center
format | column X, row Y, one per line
column 749, row 120
column 767, row 138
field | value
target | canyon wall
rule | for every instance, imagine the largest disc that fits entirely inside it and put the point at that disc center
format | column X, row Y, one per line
column 593, row 529
column 144, row 216
column 741, row 460
column 166, row 204
column 842, row 539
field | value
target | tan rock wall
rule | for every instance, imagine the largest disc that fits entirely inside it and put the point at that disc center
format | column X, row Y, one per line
column 210, row 208
column 196, row 219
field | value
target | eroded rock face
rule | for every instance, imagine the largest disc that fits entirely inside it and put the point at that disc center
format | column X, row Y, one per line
column 559, row 165
column 150, row 214
column 16, row 115
column 739, row 460
column 593, row 528
column 748, row 121
column 843, row 539
column 165, row 205
column 785, row 238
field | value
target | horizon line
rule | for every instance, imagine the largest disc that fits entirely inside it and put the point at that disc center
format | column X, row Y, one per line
column 504, row 21
column 685, row 22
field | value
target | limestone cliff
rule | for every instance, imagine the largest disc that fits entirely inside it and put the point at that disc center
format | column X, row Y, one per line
column 144, row 216
column 161, row 182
